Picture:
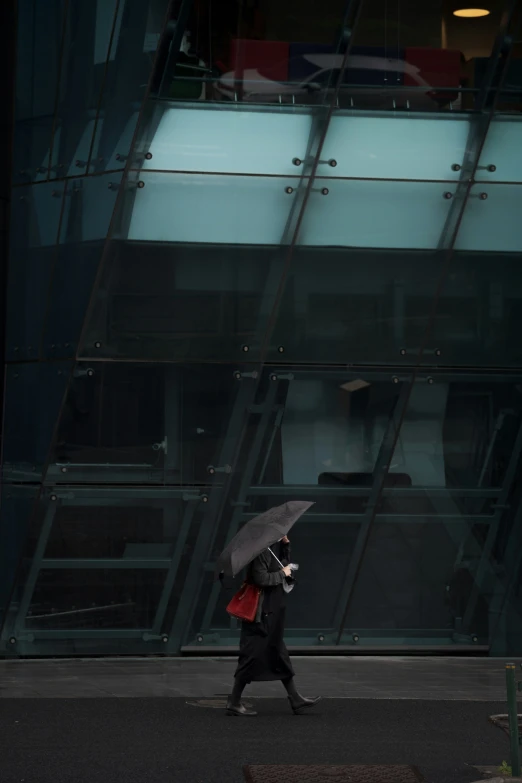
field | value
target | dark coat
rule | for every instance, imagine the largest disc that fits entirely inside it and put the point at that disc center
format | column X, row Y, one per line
column 262, row 652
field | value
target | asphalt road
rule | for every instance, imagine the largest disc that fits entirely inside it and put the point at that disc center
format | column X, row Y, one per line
column 148, row 740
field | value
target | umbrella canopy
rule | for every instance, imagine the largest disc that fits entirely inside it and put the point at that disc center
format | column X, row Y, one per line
column 258, row 534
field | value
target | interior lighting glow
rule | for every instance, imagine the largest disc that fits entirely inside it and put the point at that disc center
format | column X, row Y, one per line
column 471, row 13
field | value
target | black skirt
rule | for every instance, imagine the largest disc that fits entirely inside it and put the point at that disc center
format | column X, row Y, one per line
column 262, row 651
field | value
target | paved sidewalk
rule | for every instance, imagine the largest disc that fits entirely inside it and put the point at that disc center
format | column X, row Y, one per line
column 384, row 677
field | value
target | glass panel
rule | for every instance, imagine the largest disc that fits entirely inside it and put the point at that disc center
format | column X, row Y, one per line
column 392, row 147
column 39, row 34
column 94, row 598
column 50, row 284
column 502, row 151
column 372, row 307
column 35, row 223
column 239, row 210
column 94, row 562
column 17, row 504
column 479, row 314
column 360, row 147
column 510, row 95
column 364, row 307
column 182, row 302
column 219, row 140
column 312, row 437
column 85, row 224
column 323, row 435
column 30, row 417
column 508, row 101
column 438, row 560
column 401, row 594
column 74, row 267
column 122, row 423
column 101, row 529
column 491, row 221
column 136, row 36
column 441, row 489
column 423, row 59
column 376, row 214
column 87, row 33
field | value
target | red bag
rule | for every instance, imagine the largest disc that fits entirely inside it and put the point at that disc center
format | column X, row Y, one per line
column 244, row 604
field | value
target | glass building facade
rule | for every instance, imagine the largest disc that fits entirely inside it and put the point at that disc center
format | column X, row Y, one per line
column 259, row 252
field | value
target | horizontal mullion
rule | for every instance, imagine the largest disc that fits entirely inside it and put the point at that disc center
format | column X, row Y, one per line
column 353, row 649
column 108, row 563
column 398, row 519
column 92, row 495
column 94, row 633
column 409, row 492
column 438, row 372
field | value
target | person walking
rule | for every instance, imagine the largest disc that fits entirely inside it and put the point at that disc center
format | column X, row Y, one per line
column 263, row 655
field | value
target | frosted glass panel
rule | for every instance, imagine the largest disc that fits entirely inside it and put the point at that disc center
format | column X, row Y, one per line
column 502, row 150
column 394, row 148
column 376, row 214
column 267, row 142
column 242, row 142
column 494, row 223
column 194, row 208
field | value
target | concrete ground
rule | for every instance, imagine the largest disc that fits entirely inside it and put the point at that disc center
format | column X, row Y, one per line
column 163, row 719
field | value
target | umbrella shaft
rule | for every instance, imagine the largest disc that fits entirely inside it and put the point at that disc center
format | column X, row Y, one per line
column 280, row 563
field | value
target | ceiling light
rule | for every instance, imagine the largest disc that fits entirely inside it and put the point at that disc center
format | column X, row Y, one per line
column 471, row 13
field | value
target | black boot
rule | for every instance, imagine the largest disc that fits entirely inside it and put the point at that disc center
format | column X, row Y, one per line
column 298, row 702
column 234, row 706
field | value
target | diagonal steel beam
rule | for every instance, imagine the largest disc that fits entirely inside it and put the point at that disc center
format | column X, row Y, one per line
column 174, row 566
column 320, row 124
column 218, row 495
column 512, row 562
column 121, row 198
column 485, row 565
column 380, row 472
column 36, row 563
column 246, row 480
column 485, row 105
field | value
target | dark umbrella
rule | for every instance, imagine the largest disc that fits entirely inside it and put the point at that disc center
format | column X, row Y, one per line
column 258, row 534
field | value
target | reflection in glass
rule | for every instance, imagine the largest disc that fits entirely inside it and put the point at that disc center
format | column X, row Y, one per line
column 94, row 598
column 421, row 59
